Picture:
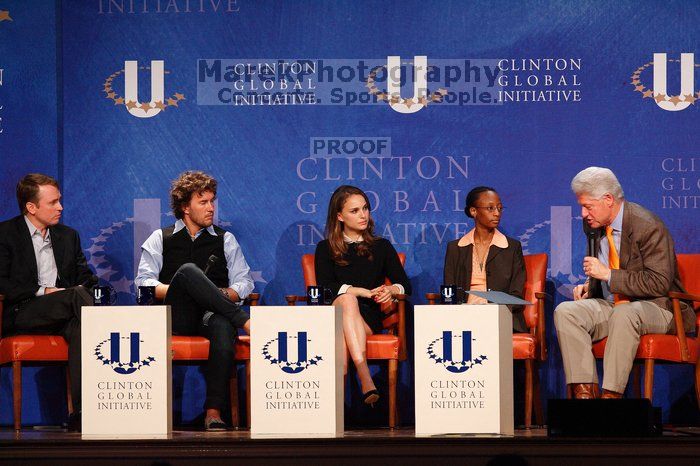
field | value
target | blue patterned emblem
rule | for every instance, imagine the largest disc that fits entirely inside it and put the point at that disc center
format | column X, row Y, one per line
column 459, row 365
column 114, row 359
column 281, row 358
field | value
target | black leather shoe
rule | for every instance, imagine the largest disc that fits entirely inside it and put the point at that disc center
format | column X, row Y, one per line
column 370, row 397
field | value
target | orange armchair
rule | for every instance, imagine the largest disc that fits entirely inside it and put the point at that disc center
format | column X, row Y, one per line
column 530, row 347
column 389, row 346
column 196, row 349
column 31, row 349
column 679, row 348
column 43, row 349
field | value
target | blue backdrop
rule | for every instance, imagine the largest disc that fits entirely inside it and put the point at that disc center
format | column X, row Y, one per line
column 282, row 101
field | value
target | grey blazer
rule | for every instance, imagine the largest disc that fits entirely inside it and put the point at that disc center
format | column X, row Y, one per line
column 648, row 269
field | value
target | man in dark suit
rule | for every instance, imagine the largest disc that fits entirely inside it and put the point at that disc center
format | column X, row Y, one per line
column 625, row 295
column 43, row 272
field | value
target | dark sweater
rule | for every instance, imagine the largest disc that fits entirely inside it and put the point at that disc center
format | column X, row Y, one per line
column 360, row 271
column 179, row 249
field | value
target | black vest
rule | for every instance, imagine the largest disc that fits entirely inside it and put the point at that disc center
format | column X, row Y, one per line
column 179, row 249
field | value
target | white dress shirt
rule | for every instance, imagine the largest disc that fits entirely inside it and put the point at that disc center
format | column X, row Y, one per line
column 47, row 271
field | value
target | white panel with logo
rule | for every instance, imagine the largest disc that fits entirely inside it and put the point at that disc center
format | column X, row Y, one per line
column 126, row 369
column 464, row 369
column 296, row 370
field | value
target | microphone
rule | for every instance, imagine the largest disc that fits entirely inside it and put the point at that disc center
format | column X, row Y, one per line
column 592, row 250
column 591, row 235
column 210, row 262
column 591, row 244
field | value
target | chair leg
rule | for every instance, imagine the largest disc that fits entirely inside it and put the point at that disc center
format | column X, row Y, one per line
column 393, row 378
column 233, row 398
column 539, row 413
column 697, row 381
column 648, row 378
column 529, row 363
column 17, row 393
column 637, row 381
column 247, row 392
column 69, row 395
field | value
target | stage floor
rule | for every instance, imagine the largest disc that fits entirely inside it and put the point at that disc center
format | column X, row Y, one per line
column 364, row 447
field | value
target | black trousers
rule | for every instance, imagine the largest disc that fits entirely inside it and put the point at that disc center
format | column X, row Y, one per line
column 57, row 314
column 190, row 295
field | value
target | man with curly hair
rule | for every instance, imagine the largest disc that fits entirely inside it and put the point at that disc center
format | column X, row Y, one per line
column 174, row 260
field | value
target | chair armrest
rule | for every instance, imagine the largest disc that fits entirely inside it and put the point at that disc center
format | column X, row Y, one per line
column 432, row 297
column 292, row 299
column 684, row 296
column 540, row 331
column 401, row 325
column 252, row 299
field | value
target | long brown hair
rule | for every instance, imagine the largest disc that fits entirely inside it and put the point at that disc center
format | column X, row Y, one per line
column 334, row 227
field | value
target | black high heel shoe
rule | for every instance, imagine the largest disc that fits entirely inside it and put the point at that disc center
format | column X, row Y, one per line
column 370, row 397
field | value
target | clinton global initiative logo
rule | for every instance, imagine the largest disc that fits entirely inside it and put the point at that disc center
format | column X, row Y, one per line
column 392, row 95
column 407, row 86
column 687, row 96
column 130, row 99
column 444, row 351
column 5, row 16
column 109, row 352
column 277, row 352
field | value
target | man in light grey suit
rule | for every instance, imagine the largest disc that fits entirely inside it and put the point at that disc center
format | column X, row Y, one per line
column 624, row 296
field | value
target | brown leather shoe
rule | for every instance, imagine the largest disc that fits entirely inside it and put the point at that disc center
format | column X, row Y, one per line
column 611, row 395
column 584, row 391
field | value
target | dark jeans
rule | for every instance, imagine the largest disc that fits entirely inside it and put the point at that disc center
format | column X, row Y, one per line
column 57, row 314
column 190, row 295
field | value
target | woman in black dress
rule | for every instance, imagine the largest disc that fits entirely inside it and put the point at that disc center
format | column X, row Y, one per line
column 353, row 263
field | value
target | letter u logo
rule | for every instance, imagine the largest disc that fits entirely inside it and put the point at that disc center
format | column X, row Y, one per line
column 131, row 86
column 114, row 353
column 282, row 354
column 314, row 293
column 466, row 350
column 687, row 82
column 420, row 82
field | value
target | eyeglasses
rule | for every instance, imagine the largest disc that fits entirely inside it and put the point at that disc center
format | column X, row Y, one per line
column 492, row 208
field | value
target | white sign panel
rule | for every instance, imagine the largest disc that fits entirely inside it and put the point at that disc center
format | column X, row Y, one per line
column 296, row 358
column 126, row 369
column 464, row 369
